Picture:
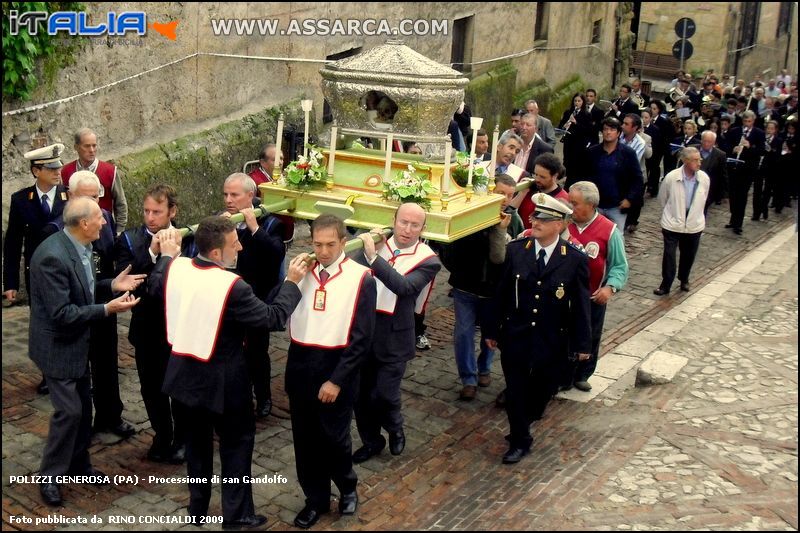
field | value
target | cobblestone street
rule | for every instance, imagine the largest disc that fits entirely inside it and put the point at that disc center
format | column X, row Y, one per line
column 714, row 449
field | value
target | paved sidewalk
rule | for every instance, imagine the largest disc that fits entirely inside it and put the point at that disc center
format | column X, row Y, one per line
column 715, row 449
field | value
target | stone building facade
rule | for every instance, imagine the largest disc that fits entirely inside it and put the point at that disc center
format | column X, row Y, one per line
column 741, row 38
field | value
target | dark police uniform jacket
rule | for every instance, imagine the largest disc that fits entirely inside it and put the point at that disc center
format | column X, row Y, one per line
column 540, row 315
column 25, row 222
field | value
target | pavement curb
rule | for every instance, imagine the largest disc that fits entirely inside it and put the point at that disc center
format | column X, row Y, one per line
column 616, row 371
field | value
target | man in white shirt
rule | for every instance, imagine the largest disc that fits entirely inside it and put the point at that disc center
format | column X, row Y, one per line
column 683, row 194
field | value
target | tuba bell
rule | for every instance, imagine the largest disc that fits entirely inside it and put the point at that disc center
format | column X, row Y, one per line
column 675, row 94
column 638, row 99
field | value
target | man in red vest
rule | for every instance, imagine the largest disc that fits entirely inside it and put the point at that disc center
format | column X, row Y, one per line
column 263, row 174
column 266, row 164
column 608, row 267
column 112, row 197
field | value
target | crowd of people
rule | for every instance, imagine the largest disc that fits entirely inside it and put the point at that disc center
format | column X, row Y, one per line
column 536, row 284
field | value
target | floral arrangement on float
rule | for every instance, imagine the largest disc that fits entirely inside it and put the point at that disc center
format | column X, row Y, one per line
column 410, row 186
column 307, row 172
column 480, row 180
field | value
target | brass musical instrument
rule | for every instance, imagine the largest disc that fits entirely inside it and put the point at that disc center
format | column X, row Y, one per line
column 675, row 94
column 638, row 99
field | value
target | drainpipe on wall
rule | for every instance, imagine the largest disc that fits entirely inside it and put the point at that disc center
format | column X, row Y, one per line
column 737, row 44
column 616, row 48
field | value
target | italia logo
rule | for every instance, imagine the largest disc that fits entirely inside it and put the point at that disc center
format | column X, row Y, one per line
column 77, row 23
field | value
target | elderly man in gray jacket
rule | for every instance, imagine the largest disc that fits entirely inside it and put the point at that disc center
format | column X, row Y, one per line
column 683, row 194
column 63, row 288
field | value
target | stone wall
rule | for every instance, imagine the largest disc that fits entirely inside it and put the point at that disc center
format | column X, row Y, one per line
column 200, row 92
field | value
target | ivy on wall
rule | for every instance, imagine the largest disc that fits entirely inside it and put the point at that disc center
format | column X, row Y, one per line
column 22, row 51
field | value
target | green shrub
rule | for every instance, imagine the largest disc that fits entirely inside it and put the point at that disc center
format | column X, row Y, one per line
column 22, row 51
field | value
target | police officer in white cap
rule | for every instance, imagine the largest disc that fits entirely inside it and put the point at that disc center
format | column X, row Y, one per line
column 31, row 209
column 541, row 318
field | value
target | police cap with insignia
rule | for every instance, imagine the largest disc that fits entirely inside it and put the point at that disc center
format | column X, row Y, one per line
column 548, row 208
column 49, row 156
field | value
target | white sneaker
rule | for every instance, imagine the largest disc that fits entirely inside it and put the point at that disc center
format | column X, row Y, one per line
column 423, row 343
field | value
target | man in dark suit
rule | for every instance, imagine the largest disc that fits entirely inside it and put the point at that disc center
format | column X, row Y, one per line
column 103, row 355
column 405, row 269
column 208, row 310
column 331, row 332
column 140, row 248
column 32, row 208
column 748, row 147
column 532, row 145
column 596, row 113
column 715, row 164
column 623, row 105
column 260, row 263
column 723, row 137
column 63, row 290
column 541, row 311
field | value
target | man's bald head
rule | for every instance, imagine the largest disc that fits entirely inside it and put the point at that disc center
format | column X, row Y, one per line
column 84, row 219
column 409, row 222
column 78, row 209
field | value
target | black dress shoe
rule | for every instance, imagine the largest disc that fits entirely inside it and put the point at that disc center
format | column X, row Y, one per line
column 251, row 522
column 737, row 231
column 263, row 409
column 397, row 442
column 514, row 455
column 500, row 401
column 308, row 517
column 173, row 455
column 177, row 455
column 158, row 455
column 660, row 291
column 367, row 451
column 685, row 287
column 51, row 494
column 42, row 387
column 348, row 503
column 123, row 429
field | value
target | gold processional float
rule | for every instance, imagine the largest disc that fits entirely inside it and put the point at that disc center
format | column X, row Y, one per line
column 388, row 93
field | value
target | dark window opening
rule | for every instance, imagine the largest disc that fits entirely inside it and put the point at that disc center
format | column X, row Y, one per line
column 461, row 49
column 542, row 19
